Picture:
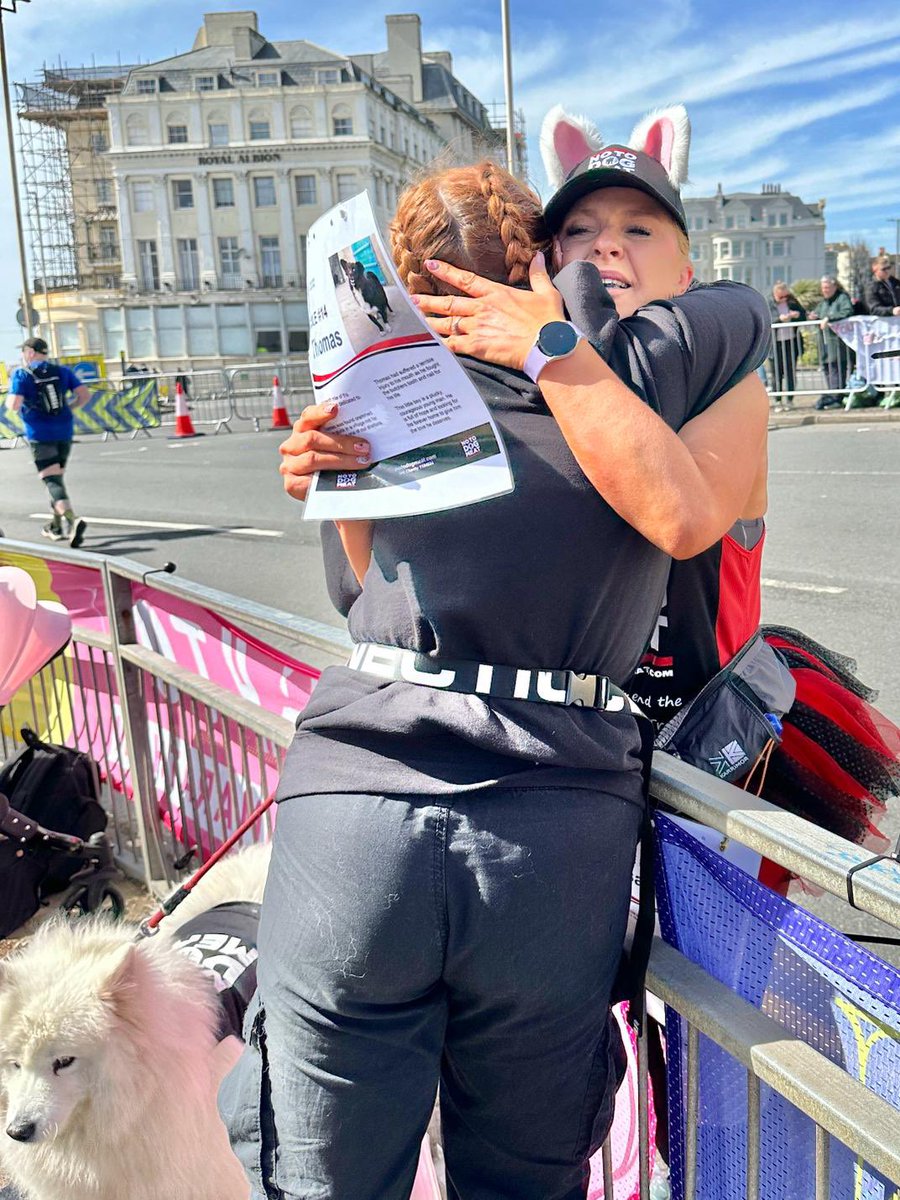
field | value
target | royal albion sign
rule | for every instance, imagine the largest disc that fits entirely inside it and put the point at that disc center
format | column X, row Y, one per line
column 220, row 160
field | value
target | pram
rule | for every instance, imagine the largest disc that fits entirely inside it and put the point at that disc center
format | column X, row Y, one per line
column 90, row 889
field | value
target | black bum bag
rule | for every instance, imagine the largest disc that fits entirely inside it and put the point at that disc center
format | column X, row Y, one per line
column 728, row 727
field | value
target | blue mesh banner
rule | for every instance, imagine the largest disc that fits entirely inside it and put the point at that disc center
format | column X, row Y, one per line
column 816, row 983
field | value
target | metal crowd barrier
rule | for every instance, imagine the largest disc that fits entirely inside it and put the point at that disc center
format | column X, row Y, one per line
column 250, row 387
column 802, row 363
column 142, row 680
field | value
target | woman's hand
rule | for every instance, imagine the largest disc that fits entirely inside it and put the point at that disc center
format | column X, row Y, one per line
column 491, row 321
column 309, row 449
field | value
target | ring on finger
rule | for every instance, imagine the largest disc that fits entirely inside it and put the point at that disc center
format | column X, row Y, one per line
column 454, row 326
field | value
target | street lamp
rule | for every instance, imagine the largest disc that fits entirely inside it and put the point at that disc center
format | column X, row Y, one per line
column 508, row 88
column 9, row 6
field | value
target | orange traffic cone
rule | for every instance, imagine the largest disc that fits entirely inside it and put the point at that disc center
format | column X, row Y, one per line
column 280, row 418
column 184, row 426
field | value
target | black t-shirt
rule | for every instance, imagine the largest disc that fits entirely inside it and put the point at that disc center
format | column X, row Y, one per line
column 545, row 577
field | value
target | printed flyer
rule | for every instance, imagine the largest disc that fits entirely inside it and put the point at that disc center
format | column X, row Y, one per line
column 434, row 443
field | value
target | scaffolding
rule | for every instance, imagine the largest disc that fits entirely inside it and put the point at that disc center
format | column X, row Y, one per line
column 67, row 189
column 497, row 118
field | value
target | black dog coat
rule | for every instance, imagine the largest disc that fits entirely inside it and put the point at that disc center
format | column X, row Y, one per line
column 222, row 941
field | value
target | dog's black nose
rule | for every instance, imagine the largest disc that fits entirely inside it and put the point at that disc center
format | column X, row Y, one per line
column 21, row 1132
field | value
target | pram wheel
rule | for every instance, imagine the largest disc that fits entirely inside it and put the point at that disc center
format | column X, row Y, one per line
column 103, row 900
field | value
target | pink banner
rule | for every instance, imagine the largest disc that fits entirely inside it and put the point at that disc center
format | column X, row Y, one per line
column 208, row 771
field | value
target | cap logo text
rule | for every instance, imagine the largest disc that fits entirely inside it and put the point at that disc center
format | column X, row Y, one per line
column 622, row 160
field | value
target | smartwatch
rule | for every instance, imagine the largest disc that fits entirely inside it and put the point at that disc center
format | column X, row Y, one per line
column 556, row 339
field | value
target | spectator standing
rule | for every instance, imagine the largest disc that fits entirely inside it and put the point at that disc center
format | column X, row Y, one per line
column 835, row 305
column 883, row 292
column 785, row 309
column 44, row 392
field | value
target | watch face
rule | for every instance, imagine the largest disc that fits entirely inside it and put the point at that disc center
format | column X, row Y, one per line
column 556, row 339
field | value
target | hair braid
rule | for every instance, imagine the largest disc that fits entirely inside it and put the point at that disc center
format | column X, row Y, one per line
column 506, row 212
column 479, row 218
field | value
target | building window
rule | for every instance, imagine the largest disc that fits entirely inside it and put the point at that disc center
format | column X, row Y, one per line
column 148, row 266
column 218, row 133
column 104, row 191
column 234, row 331
column 268, row 341
column 170, row 331
column 223, row 193
column 771, row 220
column 268, row 78
column 298, row 341
column 109, row 243
column 142, row 196
column 260, row 131
column 182, row 193
column 146, row 87
column 139, row 323
column 778, row 249
column 188, row 264
column 346, row 186
column 68, row 337
column 99, row 144
column 178, row 135
column 301, row 259
column 782, row 218
column 264, row 191
column 305, row 189
column 723, row 272
column 729, row 222
column 342, row 121
column 229, row 263
column 695, row 254
column 137, row 132
column 205, row 83
column 301, row 123
column 270, row 263
column 201, row 329
column 329, row 75
column 742, row 222
column 724, row 250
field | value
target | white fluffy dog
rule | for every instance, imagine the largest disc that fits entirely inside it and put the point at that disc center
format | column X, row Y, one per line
column 109, row 1060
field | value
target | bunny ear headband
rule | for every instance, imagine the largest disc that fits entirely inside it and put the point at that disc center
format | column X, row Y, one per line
column 654, row 161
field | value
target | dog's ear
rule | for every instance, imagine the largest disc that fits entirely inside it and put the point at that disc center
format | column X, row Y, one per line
column 121, row 984
column 665, row 135
column 565, row 142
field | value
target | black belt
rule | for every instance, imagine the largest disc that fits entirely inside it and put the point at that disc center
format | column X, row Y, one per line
column 569, row 688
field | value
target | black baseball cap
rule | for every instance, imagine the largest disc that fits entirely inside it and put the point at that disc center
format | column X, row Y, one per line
column 38, row 345
column 616, row 166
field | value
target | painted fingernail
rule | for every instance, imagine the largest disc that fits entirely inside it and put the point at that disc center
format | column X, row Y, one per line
column 363, row 459
column 431, row 263
column 362, row 447
column 331, row 407
column 415, row 300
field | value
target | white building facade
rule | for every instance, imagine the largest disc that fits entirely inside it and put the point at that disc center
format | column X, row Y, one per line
column 757, row 238
column 223, row 157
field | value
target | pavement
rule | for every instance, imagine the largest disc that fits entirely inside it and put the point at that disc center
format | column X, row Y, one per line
column 805, row 413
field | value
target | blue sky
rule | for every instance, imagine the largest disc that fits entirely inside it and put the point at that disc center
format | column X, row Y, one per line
column 803, row 93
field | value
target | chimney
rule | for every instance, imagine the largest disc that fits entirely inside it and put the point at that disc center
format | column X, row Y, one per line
column 239, row 30
column 404, row 52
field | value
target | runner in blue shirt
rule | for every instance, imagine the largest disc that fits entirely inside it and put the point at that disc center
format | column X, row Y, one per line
column 44, row 393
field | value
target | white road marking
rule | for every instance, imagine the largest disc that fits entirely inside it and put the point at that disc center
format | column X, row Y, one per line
column 784, row 585
column 787, row 472
column 247, row 529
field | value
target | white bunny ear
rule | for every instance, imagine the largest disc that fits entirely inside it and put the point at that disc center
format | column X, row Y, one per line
column 665, row 135
column 565, row 142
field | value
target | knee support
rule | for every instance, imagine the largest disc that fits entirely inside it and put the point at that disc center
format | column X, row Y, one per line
column 59, row 497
